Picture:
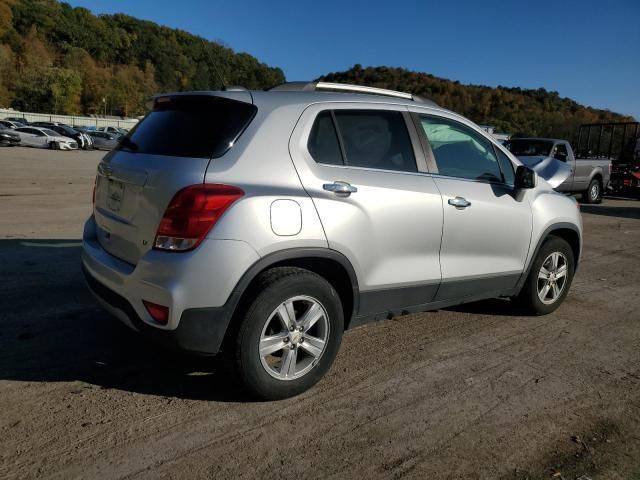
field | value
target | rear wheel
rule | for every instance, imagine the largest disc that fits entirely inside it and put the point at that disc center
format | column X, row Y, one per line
column 290, row 334
column 549, row 279
column 593, row 194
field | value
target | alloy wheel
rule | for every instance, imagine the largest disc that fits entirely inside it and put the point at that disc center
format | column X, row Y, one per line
column 294, row 337
column 552, row 278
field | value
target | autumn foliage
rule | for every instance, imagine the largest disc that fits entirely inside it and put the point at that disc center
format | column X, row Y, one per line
column 59, row 59
column 512, row 110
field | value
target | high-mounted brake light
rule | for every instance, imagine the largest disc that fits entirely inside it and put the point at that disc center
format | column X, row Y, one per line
column 191, row 214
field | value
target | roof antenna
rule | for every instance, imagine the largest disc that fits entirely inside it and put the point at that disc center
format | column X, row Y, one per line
column 213, row 64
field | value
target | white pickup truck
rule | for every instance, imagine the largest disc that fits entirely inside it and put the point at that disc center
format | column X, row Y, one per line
column 589, row 176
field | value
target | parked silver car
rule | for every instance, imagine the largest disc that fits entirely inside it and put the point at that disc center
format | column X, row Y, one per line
column 114, row 130
column 10, row 124
column 8, row 137
column 104, row 140
column 263, row 224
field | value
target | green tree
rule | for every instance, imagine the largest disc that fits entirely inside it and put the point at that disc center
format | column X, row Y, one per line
column 65, row 87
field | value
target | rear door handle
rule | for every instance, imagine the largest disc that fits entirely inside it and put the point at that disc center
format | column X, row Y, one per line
column 459, row 202
column 342, row 189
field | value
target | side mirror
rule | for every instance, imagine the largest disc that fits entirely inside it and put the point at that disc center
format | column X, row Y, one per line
column 525, row 177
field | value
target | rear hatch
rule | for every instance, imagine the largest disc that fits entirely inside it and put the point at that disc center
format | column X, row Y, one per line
column 166, row 151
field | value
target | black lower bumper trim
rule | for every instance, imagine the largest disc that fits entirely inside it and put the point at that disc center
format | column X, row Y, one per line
column 201, row 330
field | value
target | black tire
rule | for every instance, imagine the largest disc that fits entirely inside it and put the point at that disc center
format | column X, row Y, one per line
column 593, row 194
column 273, row 288
column 528, row 299
column 54, row 146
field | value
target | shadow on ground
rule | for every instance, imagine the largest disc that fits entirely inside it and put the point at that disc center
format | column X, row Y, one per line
column 610, row 210
column 51, row 330
column 502, row 307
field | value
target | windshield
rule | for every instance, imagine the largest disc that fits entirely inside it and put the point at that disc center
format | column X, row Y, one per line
column 48, row 132
column 529, row 148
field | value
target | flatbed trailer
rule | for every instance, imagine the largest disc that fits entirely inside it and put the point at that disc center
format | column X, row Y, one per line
column 618, row 142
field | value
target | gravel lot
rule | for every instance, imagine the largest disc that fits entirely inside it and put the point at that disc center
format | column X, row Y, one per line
column 471, row 392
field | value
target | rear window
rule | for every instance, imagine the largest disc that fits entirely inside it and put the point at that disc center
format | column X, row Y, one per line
column 189, row 126
column 375, row 139
column 529, row 148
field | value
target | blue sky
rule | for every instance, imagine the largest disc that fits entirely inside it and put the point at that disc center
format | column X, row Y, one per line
column 588, row 50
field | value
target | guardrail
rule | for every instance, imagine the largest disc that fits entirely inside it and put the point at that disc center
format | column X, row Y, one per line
column 73, row 120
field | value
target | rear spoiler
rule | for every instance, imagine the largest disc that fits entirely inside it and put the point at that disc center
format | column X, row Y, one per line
column 233, row 93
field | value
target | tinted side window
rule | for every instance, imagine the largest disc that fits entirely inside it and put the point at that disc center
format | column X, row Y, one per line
column 507, row 168
column 560, row 152
column 190, row 126
column 376, row 139
column 459, row 151
column 323, row 141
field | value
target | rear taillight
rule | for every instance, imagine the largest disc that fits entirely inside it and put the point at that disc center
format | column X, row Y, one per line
column 192, row 213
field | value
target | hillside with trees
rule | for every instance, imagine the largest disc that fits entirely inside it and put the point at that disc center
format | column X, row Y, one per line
column 59, row 59
column 513, row 110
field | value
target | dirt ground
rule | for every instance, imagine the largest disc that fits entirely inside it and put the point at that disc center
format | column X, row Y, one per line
column 471, row 392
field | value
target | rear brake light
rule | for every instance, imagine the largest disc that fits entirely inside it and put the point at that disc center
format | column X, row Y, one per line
column 191, row 214
column 159, row 313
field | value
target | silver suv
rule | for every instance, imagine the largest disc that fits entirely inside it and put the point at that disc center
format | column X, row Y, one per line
column 261, row 225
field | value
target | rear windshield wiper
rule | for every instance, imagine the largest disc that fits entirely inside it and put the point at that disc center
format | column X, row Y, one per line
column 127, row 143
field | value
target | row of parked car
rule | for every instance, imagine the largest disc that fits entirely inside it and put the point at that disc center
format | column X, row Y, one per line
column 58, row 136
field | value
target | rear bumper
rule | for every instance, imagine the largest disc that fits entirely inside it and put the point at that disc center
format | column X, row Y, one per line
column 195, row 286
column 201, row 330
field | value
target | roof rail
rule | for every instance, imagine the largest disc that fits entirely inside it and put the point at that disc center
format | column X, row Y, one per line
column 347, row 88
column 342, row 87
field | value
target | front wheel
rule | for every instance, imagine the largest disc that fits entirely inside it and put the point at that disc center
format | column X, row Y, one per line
column 593, row 194
column 54, row 146
column 290, row 334
column 549, row 278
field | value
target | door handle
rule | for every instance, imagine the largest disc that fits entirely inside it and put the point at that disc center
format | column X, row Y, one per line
column 342, row 189
column 459, row 202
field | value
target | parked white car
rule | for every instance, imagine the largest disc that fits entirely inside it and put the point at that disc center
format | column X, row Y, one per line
column 45, row 138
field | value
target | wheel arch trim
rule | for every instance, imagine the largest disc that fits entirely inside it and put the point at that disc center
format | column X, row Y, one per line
column 543, row 237
column 291, row 255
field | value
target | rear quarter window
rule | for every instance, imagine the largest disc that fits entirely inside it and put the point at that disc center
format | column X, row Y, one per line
column 323, row 141
column 189, row 126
